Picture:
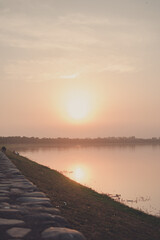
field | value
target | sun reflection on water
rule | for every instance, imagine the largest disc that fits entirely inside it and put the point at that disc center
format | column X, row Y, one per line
column 80, row 174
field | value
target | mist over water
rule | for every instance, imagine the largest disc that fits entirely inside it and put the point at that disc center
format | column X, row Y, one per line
column 130, row 174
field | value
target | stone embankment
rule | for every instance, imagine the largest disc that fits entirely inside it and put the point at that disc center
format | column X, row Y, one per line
column 25, row 212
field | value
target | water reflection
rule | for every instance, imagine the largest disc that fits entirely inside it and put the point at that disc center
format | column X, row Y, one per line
column 131, row 172
column 78, row 174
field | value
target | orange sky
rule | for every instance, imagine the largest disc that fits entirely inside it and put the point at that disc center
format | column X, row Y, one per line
column 81, row 69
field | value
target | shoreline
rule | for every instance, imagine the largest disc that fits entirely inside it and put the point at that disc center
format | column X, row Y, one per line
column 141, row 201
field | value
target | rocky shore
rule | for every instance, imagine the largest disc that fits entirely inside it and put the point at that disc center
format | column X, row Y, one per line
column 27, row 213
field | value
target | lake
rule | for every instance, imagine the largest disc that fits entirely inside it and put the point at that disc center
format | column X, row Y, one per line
column 129, row 174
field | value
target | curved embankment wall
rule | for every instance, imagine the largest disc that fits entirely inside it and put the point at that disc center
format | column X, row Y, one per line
column 25, row 212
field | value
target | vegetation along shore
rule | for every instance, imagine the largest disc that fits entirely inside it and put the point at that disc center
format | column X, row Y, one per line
column 79, row 141
column 96, row 215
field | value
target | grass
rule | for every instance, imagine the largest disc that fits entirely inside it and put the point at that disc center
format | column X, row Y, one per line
column 96, row 215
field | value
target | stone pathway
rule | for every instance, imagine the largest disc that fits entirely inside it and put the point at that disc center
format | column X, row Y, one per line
column 25, row 212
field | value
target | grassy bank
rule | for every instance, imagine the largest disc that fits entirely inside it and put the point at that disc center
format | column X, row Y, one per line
column 96, row 215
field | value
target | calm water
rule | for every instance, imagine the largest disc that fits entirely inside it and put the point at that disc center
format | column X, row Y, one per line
column 130, row 174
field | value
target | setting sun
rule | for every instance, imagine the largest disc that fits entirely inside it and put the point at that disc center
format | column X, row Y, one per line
column 78, row 105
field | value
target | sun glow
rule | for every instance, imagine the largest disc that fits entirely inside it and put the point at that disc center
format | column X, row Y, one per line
column 77, row 108
column 78, row 105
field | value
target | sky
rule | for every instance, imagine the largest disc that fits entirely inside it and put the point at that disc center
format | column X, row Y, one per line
column 80, row 68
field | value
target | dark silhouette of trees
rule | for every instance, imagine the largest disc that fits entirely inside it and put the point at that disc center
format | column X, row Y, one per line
column 79, row 141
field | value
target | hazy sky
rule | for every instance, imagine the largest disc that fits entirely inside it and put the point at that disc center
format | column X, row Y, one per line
column 80, row 68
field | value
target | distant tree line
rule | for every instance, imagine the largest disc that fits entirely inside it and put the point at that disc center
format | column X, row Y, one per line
column 78, row 141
